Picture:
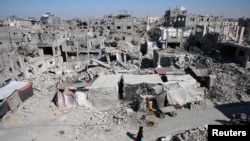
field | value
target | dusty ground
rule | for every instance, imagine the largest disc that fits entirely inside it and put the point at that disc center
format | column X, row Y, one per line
column 38, row 119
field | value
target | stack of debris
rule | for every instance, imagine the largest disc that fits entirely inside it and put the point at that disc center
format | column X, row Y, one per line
column 240, row 119
column 197, row 134
column 232, row 84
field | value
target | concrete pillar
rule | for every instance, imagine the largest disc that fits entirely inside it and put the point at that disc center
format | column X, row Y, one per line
column 12, row 65
column 108, row 58
column 166, row 40
column 159, row 61
column 66, row 56
column 20, row 61
column 77, row 51
column 40, row 52
column 177, row 32
column 181, row 42
column 241, row 34
column 205, row 30
column 125, row 59
column 22, row 65
column 237, row 32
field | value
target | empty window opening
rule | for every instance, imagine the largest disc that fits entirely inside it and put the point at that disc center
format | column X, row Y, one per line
column 118, row 27
column 128, row 27
column 47, row 51
column 241, row 53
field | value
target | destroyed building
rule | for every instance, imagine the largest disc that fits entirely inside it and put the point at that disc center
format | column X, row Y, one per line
column 112, row 65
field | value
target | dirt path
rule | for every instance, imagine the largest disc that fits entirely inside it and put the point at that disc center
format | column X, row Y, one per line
column 52, row 124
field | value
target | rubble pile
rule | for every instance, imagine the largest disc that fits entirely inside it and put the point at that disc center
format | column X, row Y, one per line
column 240, row 119
column 197, row 134
column 232, row 83
column 94, row 123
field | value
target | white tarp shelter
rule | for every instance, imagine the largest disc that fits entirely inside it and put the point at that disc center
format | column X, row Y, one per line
column 7, row 90
column 182, row 89
column 12, row 95
column 182, row 96
column 105, row 90
column 132, row 82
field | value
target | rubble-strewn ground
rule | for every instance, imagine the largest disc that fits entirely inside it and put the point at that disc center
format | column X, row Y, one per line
column 232, row 84
column 38, row 116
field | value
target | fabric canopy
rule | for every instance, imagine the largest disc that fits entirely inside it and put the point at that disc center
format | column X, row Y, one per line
column 7, row 90
column 138, row 79
column 106, row 81
column 182, row 96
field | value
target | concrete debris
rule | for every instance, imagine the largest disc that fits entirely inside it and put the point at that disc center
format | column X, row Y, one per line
column 196, row 134
column 232, row 85
column 161, row 69
column 240, row 119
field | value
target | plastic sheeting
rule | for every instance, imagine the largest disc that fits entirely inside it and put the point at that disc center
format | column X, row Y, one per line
column 81, row 99
column 14, row 101
column 65, row 100
column 183, row 96
column 139, row 79
column 104, row 91
column 7, row 90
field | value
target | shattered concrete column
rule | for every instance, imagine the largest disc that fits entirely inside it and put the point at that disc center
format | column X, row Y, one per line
column 66, row 56
column 77, row 51
column 241, row 34
column 181, row 42
column 125, row 59
column 12, row 65
column 237, row 32
column 22, row 65
column 167, row 40
column 177, row 32
column 159, row 61
column 205, row 30
column 107, row 58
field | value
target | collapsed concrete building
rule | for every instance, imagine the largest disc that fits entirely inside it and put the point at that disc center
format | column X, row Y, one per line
column 91, row 65
column 114, row 48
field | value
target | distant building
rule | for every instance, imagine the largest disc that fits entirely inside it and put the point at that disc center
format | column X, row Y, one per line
column 124, row 23
column 175, row 17
column 152, row 19
column 244, row 21
column 230, row 23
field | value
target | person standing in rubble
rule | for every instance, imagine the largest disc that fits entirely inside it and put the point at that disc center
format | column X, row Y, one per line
column 140, row 136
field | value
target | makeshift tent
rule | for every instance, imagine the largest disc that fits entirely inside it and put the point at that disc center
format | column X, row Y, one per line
column 183, row 96
column 82, row 99
column 180, row 81
column 3, row 107
column 13, row 101
column 65, row 98
column 68, row 94
column 105, row 90
column 13, row 94
column 133, row 83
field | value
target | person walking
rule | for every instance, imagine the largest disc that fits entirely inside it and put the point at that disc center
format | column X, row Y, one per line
column 140, row 136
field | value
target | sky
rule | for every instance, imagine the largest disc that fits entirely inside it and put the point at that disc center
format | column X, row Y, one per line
column 68, row 9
